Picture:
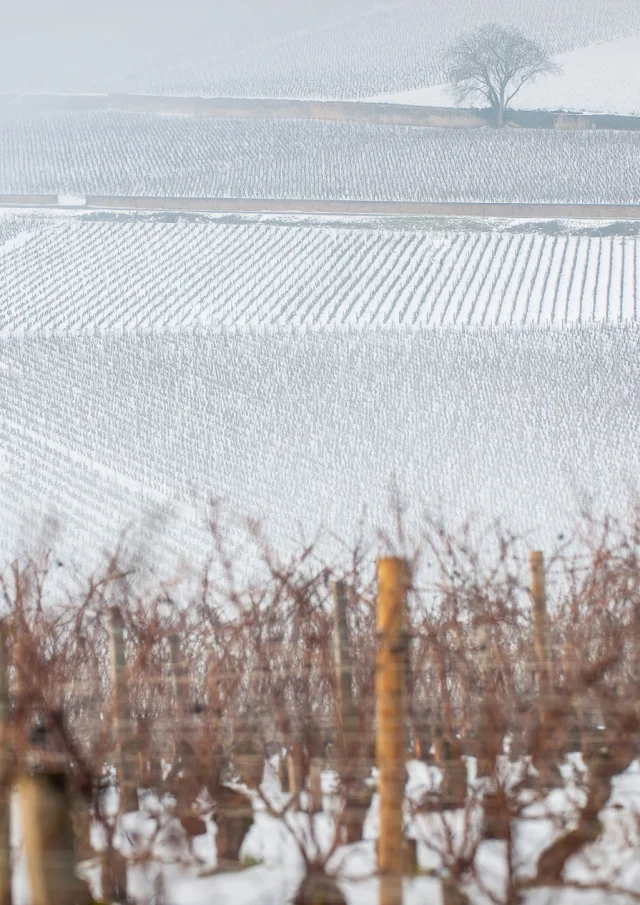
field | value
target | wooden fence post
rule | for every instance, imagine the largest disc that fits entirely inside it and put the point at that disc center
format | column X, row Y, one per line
column 47, row 829
column 392, row 577
column 126, row 770
column 5, row 777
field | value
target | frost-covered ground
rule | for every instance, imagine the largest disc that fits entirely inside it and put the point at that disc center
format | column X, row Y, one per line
column 277, row 48
column 305, row 429
column 279, row 870
column 601, row 78
column 76, row 273
column 107, row 153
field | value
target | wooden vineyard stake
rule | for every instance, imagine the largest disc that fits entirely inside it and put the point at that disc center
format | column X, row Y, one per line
column 542, row 644
column 182, row 725
column 283, row 773
column 178, row 676
column 354, row 769
column 212, row 728
column 342, row 657
column 487, row 740
column 636, row 653
column 544, row 761
column 126, row 769
column 45, row 807
column 5, row 777
column 392, row 576
column 315, row 786
column 295, row 765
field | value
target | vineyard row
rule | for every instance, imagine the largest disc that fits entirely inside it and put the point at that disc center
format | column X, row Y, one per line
column 79, row 275
column 108, row 153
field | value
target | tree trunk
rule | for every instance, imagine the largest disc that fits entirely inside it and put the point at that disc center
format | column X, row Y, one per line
column 319, row 889
column 234, row 818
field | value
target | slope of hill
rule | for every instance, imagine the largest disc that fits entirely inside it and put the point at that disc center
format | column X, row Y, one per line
column 306, row 429
column 106, row 153
column 79, row 273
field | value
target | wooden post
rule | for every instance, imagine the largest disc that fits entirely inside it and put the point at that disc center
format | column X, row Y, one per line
column 126, row 770
column 212, row 728
column 342, row 657
column 392, row 576
column 295, row 765
column 178, row 675
column 354, row 768
column 180, row 693
column 315, row 786
column 487, row 743
column 636, row 655
column 48, row 839
column 5, row 777
column 542, row 644
column 551, row 738
column 283, row 773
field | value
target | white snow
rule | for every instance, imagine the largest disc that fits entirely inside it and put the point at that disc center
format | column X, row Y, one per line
column 303, row 429
column 16, row 242
column 274, row 880
column 76, row 275
column 72, row 201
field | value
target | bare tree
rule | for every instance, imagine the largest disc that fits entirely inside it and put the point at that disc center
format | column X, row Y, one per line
column 493, row 63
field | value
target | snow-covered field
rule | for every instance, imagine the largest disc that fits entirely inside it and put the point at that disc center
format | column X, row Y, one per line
column 144, row 154
column 80, row 273
column 601, row 78
column 279, row 870
column 305, row 429
column 251, row 48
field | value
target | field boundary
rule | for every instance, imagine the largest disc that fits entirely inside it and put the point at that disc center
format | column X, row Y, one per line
column 328, row 110
column 498, row 210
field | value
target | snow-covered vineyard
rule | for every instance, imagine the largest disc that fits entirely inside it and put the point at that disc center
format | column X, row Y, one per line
column 306, row 428
column 248, row 348
column 78, row 273
column 107, row 153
